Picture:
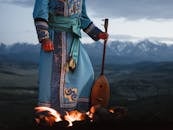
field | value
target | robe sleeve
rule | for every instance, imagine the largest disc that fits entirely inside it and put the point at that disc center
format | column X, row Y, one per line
column 40, row 16
column 87, row 25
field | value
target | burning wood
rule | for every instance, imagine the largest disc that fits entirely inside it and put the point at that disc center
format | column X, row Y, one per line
column 49, row 117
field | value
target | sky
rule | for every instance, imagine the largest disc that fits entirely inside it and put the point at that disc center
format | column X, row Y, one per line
column 129, row 20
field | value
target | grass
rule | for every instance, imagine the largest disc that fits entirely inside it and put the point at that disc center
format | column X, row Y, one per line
column 18, row 94
column 16, row 76
column 16, row 107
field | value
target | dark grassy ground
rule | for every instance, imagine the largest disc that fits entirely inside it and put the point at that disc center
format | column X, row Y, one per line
column 18, row 97
column 16, row 110
column 16, row 107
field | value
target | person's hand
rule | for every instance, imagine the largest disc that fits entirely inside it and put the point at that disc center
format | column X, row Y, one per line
column 47, row 45
column 103, row 35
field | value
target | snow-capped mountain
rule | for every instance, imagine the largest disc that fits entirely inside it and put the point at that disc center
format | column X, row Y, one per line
column 129, row 52
column 117, row 52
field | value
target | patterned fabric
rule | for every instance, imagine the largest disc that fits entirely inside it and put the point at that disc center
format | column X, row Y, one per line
column 65, row 7
column 74, row 7
column 92, row 31
column 42, row 30
column 58, row 88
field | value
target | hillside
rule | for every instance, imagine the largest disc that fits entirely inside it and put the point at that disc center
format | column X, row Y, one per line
column 145, row 89
column 143, row 86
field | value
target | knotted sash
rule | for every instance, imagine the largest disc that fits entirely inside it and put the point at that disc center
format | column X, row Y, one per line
column 68, row 24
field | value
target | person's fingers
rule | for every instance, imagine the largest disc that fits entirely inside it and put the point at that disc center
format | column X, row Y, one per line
column 103, row 36
column 47, row 45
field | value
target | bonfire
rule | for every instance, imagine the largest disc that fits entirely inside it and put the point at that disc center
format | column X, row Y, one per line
column 48, row 117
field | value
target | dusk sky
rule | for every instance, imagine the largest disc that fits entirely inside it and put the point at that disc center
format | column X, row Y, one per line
column 128, row 20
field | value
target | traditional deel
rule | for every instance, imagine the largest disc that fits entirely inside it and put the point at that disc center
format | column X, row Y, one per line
column 65, row 75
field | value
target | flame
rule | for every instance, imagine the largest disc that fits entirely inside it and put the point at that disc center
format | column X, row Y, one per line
column 54, row 113
column 91, row 112
column 53, row 116
column 74, row 116
column 70, row 116
column 112, row 110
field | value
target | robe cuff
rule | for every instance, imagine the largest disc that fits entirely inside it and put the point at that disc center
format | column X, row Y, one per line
column 93, row 31
column 42, row 30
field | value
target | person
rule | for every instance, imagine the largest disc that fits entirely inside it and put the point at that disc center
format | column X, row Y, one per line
column 65, row 71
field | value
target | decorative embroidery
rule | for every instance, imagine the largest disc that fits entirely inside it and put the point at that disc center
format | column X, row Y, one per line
column 58, row 7
column 65, row 7
column 74, row 7
column 70, row 94
column 89, row 28
column 42, row 30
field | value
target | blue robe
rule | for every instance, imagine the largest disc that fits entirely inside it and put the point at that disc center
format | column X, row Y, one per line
column 58, row 88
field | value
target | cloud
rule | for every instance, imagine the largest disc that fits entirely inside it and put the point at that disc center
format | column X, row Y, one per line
column 132, row 9
column 161, row 38
column 124, row 37
column 129, row 9
column 23, row 3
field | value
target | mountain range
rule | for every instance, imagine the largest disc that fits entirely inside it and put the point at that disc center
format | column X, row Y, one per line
column 130, row 52
column 117, row 52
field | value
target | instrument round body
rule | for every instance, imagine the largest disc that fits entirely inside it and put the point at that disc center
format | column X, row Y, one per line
column 100, row 92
